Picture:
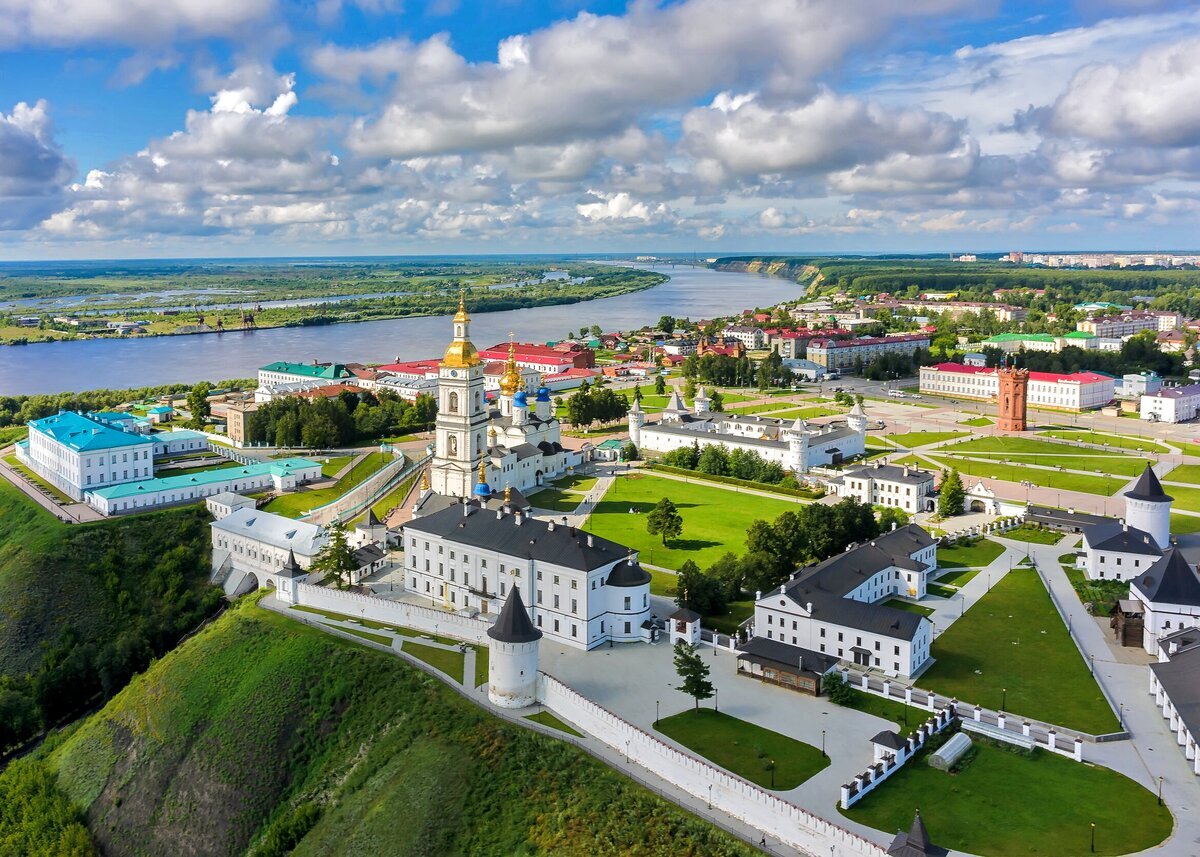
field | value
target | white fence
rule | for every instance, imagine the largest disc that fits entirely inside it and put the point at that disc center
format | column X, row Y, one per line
column 392, row 612
column 734, row 796
column 880, row 770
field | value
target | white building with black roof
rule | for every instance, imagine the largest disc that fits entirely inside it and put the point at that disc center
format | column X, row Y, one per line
column 896, row 486
column 1169, row 594
column 1175, row 683
column 834, row 608
column 1121, row 550
column 580, row 590
column 793, row 444
column 513, row 661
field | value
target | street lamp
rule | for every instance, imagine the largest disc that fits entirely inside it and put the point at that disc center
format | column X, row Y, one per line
column 656, row 714
column 772, row 774
column 710, row 795
column 716, row 692
column 1004, row 699
column 1160, row 781
column 1092, row 661
column 823, row 744
column 1093, row 837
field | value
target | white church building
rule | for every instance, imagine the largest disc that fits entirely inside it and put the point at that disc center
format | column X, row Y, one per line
column 795, row 445
column 1122, row 550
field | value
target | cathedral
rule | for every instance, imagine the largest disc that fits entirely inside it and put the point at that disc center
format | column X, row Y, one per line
column 480, row 451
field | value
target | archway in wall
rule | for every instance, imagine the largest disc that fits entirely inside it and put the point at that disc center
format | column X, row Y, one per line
column 978, row 506
column 539, row 476
column 248, row 583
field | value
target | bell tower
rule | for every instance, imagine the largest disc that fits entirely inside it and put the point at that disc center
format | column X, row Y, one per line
column 462, row 413
column 1014, row 387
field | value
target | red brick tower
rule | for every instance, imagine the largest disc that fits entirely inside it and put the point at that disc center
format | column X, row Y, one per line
column 1014, row 387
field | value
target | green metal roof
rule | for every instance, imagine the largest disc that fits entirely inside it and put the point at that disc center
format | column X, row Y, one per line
column 205, row 477
column 1080, row 334
column 84, row 434
column 332, row 371
column 1020, row 337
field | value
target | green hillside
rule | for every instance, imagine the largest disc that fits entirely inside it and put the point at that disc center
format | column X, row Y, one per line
column 261, row 735
column 84, row 607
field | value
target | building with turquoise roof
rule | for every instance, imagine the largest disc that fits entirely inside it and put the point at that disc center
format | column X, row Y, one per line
column 282, row 475
column 283, row 372
column 77, row 453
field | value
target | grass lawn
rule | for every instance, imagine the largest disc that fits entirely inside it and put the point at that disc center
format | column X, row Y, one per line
column 900, row 604
column 1185, row 524
column 1185, row 498
column 482, row 654
column 378, row 626
column 1104, row 486
column 744, row 748
column 1026, row 533
column 367, row 635
column 1020, row 445
column 565, row 494
column 940, row 591
column 451, row 663
column 739, row 612
column 1004, row 804
column 295, row 504
column 978, row 422
column 547, row 719
column 203, row 468
column 1103, row 594
column 1014, row 638
column 1186, row 473
column 761, row 407
column 714, row 519
column 1115, row 440
column 1123, row 465
column 393, row 498
column 330, row 468
column 908, row 717
column 804, row 413
column 958, row 578
column 975, row 555
column 662, row 583
column 921, row 438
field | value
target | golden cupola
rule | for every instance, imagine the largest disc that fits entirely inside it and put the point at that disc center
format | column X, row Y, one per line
column 510, row 381
column 461, row 353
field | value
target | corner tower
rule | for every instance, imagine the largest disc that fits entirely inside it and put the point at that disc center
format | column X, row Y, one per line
column 1014, row 388
column 462, row 414
column 513, row 660
column 1148, row 508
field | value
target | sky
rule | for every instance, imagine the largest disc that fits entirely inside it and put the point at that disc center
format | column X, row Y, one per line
column 159, row 128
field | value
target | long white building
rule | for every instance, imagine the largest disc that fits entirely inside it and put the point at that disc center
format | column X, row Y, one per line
column 890, row 485
column 795, row 445
column 1175, row 683
column 580, row 590
column 1171, row 404
column 834, row 608
column 1077, row 391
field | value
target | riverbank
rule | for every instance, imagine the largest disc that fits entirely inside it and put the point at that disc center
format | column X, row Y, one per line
column 346, row 310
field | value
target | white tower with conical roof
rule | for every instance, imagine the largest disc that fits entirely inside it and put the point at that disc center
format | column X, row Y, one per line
column 797, row 440
column 513, row 659
column 856, row 420
column 701, row 403
column 1148, row 508
column 637, row 419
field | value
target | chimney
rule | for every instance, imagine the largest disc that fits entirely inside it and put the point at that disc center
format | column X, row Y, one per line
column 591, row 541
column 808, row 607
column 550, row 526
column 499, row 514
column 466, row 509
column 518, row 519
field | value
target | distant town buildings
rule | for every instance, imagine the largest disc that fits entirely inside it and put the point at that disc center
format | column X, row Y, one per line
column 843, row 354
column 1171, row 404
column 1076, row 391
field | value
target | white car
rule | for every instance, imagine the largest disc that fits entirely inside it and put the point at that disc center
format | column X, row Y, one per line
column 896, row 394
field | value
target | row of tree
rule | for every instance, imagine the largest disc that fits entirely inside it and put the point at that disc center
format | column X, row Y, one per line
column 339, row 420
column 596, row 404
column 18, row 410
column 719, row 460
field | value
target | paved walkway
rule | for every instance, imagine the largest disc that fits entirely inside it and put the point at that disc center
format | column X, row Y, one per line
column 946, row 611
column 70, row 513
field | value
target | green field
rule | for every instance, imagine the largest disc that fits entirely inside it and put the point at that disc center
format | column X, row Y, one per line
column 1015, row 639
column 762, row 408
column 744, row 748
column 262, row 730
column 330, row 468
column 662, row 583
column 923, row 438
column 1019, row 445
column 976, row 555
column 1185, row 498
column 1026, row 533
column 565, row 495
column 1186, row 473
column 1185, row 524
column 1126, row 466
column 1119, row 441
column 959, row 578
column 909, row 606
column 714, row 519
column 906, row 717
column 297, row 503
column 451, row 663
column 940, row 591
column 727, row 623
column 810, row 413
column 1004, row 804
column 978, row 422
column 1104, row 486
column 547, row 719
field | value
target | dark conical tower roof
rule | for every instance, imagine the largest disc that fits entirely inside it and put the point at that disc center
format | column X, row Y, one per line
column 916, row 842
column 1148, row 488
column 918, row 836
column 372, row 520
column 514, row 625
column 291, row 568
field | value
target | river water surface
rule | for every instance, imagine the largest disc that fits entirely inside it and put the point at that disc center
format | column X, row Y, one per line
column 119, row 363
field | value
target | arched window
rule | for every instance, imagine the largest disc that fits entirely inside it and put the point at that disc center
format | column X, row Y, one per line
column 452, row 451
column 454, row 403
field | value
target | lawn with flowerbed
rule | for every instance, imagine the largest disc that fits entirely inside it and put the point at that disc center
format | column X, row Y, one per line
column 714, row 519
column 1104, row 486
column 744, row 748
column 1119, row 441
column 1014, row 638
column 923, row 438
column 1004, row 803
column 1033, row 535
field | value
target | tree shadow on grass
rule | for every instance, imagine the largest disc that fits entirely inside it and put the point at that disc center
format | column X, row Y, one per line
column 690, row 544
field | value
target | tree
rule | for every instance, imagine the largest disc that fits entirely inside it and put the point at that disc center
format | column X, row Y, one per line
column 689, row 388
column 717, row 402
column 660, row 385
column 699, row 591
column 665, row 520
column 597, row 330
column 892, row 515
column 197, row 401
column 951, row 496
column 580, row 409
column 693, row 672
column 637, row 393
column 666, row 324
column 837, row 689
column 336, row 558
column 629, row 452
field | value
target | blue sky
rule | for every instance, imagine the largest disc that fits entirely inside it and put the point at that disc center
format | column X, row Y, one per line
column 258, row 127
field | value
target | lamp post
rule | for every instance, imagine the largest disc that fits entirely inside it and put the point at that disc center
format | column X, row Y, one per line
column 1092, row 661
column 823, row 745
column 710, row 795
column 772, row 775
column 1093, row 837
column 1160, row 781
column 716, row 695
column 1003, row 698
column 656, row 713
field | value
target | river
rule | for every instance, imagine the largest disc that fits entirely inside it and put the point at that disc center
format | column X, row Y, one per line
column 120, row 363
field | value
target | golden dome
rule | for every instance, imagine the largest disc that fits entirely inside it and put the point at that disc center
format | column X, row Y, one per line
column 460, row 355
column 510, row 381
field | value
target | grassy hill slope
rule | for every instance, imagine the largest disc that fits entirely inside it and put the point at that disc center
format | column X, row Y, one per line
column 84, row 607
column 264, row 735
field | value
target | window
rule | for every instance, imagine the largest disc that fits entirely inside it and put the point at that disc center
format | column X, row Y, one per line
column 822, row 632
column 770, row 619
column 556, row 580
column 539, row 573
column 501, row 588
column 574, row 606
column 769, row 636
column 574, row 584
column 839, row 638
column 556, row 626
column 627, row 604
column 897, row 648
column 877, row 646
column 539, row 621
column 573, row 632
